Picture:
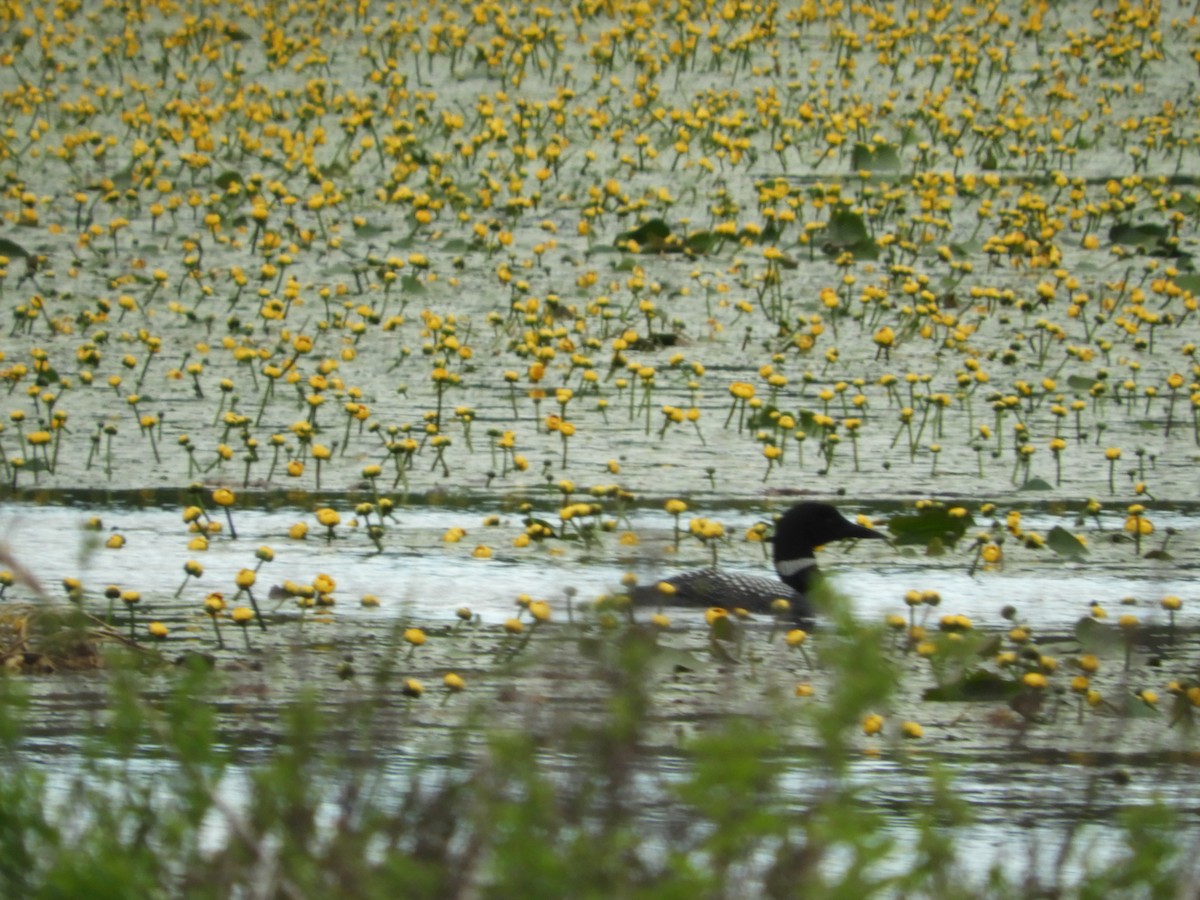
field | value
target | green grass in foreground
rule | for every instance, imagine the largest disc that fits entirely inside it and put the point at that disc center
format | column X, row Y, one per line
column 163, row 806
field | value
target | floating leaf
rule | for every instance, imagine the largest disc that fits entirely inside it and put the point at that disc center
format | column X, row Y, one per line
column 12, row 249
column 1097, row 638
column 411, row 284
column 1066, row 544
column 227, row 178
column 1132, row 707
column 47, row 376
column 654, row 229
column 369, row 230
column 650, row 237
column 979, row 686
column 926, row 526
column 701, row 242
column 1081, row 383
column 585, row 533
column 846, row 232
column 861, row 157
column 874, row 158
column 764, row 417
column 767, row 416
column 1145, row 234
column 1036, row 484
column 1189, row 283
column 123, row 180
column 846, row 227
column 807, row 418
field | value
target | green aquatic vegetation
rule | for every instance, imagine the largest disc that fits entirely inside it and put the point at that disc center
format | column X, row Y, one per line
column 414, row 224
column 276, row 221
column 491, row 809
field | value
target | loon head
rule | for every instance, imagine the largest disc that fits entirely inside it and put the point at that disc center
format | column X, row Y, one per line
column 801, row 530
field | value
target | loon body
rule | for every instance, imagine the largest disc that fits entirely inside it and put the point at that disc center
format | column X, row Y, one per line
column 798, row 533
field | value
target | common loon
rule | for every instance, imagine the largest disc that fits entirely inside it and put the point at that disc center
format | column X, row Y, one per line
column 798, row 533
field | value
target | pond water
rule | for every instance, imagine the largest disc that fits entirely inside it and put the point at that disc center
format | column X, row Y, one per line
column 323, row 255
column 1046, row 798
column 418, row 576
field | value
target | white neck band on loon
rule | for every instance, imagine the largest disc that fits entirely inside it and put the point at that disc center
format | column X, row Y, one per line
column 789, row 567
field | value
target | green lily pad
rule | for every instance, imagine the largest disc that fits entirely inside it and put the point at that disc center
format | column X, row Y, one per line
column 846, row 228
column 929, row 526
column 227, row 178
column 1189, row 283
column 1097, row 638
column 1036, row 484
column 974, row 687
column 369, row 230
column 650, row 237
column 1081, row 383
column 1066, row 544
column 123, row 180
column 846, row 232
column 13, row 249
column 1145, row 234
column 701, row 242
column 874, row 158
column 1132, row 707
